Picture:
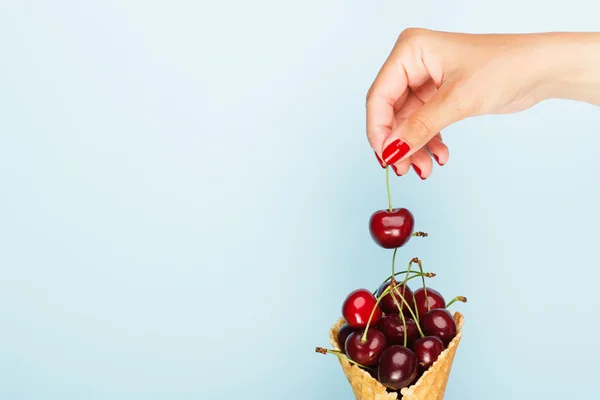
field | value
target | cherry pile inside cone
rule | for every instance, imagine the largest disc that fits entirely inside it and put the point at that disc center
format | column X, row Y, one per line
column 397, row 331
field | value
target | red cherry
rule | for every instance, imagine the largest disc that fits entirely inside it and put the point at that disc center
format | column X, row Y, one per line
column 435, row 299
column 439, row 322
column 357, row 309
column 427, row 349
column 392, row 327
column 365, row 352
column 391, row 229
column 397, row 368
column 387, row 303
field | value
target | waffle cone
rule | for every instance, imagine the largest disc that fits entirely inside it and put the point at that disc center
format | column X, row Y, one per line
column 430, row 386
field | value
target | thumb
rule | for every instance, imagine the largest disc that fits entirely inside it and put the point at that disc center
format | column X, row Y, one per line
column 443, row 109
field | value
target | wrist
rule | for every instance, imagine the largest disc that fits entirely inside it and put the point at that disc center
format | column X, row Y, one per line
column 572, row 66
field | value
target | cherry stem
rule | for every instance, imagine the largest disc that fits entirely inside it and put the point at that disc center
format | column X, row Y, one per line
column 387, row 184
column 401, row 313
column 381, row 296
column 394, row 263
column 424, row 286
column 340, row 355
column 408, row 271
column 425, row 274
column 462, row 299
column 421, row 234
column 414, row 317
column 393, row 283
column 405, row 303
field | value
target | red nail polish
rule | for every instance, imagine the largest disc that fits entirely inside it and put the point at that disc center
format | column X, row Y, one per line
column 395, row 170
column 380, row 160
column 395, row 151
column 437, row 160
column 418, row 171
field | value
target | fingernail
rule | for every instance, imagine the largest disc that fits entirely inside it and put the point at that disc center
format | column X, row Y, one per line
column 380, row 160
column 395, row 151
column 395, row 170
column 418, row 171
column 437, row 160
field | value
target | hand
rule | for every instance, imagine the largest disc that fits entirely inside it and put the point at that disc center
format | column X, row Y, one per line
column 433, row 79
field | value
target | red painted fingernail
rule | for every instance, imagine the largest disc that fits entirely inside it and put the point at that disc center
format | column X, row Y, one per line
column 437, row 160
column 395, row 170
column 380, row 160
column 418, row 171
column 395, row 151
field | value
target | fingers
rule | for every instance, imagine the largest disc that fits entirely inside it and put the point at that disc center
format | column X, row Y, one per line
column 413, row 133
column 422, row 158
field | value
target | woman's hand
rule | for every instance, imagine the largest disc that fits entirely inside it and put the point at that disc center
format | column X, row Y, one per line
column 433, row 79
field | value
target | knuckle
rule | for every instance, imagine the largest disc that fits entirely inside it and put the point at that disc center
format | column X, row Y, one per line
column 411, row 38
column 410, row 34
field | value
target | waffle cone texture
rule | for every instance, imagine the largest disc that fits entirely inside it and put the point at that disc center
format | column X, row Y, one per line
column 430, row 386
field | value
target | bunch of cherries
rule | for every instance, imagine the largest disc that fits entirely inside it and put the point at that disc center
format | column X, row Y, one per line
column 395, row 333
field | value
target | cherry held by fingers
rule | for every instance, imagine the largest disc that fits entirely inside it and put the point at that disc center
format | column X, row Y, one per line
column 357, row 309
column 365, row 352
column 439, row 322
column 397, row 367
column 391, row 229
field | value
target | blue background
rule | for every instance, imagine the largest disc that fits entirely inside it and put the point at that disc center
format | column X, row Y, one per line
column 185, row 188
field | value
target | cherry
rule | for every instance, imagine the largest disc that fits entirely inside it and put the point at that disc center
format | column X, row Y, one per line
column 391, row 228
column 397, row 367
column 358, row 307
column 343, row 333
column 434, row 298
column 387, row 303
column 392, row 327
column 439, row 322
column 427, row 349
column 365, row 350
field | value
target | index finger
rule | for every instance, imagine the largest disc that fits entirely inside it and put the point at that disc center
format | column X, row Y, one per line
column 388, row 90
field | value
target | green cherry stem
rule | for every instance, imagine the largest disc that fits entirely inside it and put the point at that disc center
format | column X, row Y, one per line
column 340, row 355
column 394, row 262
column 462, row 299
column 393, row 284
column 364, row 336
column 415, row 303
column 401, row 316
column 387, row 184
column 425, row 274
column 412, row 312
column 424, row 286
column 381, row 296
column 408, row 270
